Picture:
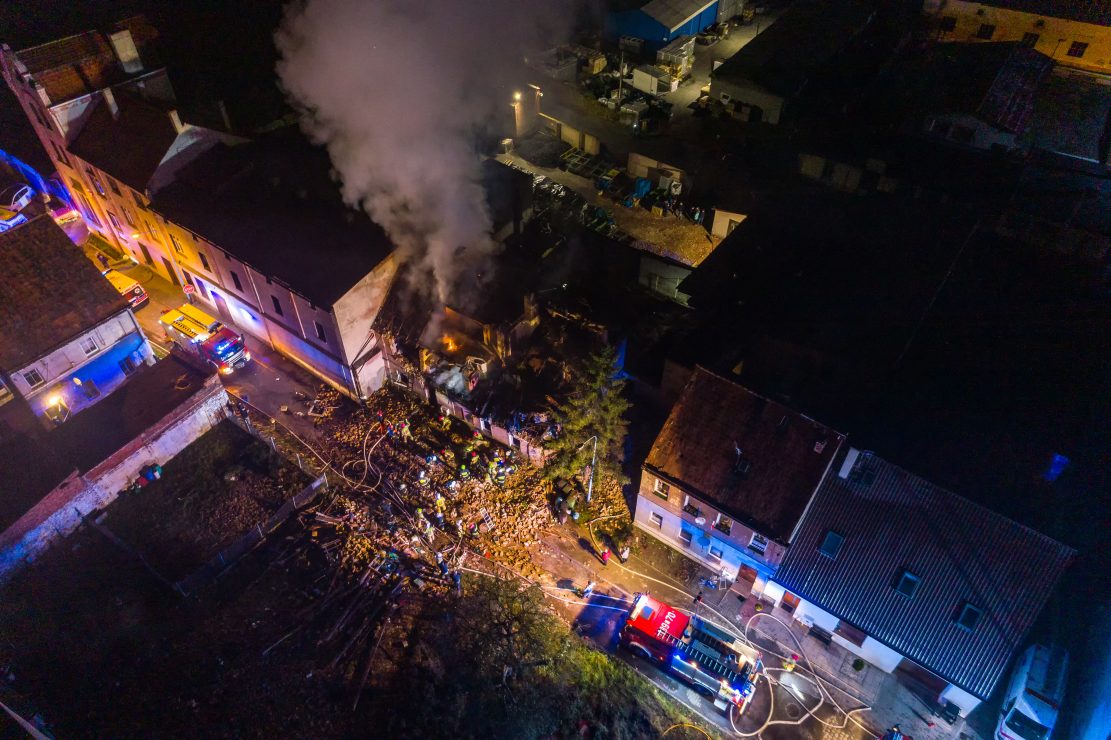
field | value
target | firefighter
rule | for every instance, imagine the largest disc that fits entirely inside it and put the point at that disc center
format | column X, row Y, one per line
column 445, row 422
column 499, row 476
column 422, row 523
column 447, row 456
column 441, row 563
column 459, row 525
column 431, row 459
column 423, row 479
column 463, row 472
column 406, row 431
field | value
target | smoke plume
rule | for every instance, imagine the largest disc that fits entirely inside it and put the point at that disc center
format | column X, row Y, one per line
column 398, row 91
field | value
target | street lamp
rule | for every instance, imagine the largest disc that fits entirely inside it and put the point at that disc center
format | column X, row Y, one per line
column 593, row 458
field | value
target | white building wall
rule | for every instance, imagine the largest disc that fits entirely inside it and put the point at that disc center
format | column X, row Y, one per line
column 966, row 701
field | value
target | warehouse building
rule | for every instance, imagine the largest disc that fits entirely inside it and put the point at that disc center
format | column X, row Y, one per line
column 659, row 22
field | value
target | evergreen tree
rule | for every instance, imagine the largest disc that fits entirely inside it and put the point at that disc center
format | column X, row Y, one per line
column 596, row 406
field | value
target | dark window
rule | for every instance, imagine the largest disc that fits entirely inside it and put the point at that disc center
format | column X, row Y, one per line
column 204, row 261
column 907, row 583
column 235, row 280
column 831, row 545
column 1077, row 49
column 320, row 331
column 968, row 616
column 115, row 222
column 853, row 634
column 177, row 246
column 656, row 519
column 277, row 305
column 686, row 537
column 986, row 31
column 89, row 388
column 1030, row 39
column 33, row 378
column 948, row 23
column 95, row 181
column 112, row 184
column 127, row 365
column 128, row 217
column 724, row 524
column 60, row 153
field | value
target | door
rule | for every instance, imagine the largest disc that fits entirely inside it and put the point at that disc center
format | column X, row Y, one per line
column 790, row 602
column 170, row 269
column 221, row 307
column 146, row 253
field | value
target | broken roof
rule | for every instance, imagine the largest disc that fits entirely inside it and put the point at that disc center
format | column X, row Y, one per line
column 889, row 522
column 49, row 292
column 804, row 39
column 72, row 67
column 128, row 145
column 783, row 454
column 274, row 204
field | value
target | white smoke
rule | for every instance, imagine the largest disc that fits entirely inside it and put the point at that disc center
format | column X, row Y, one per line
column 397, row 90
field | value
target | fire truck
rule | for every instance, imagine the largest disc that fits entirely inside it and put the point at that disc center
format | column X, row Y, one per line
column 195, row 332
column 703, row 655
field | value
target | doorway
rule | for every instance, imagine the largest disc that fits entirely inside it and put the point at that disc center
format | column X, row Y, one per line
column 222, row 307
column 170, row 269
column 790, row 603
column 146, row 254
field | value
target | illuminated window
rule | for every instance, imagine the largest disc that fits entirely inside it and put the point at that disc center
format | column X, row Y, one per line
column 97, row 184
column 968, row 616
column 235, row 281
column 907, row 583
column 1077, row 49
column 661, row 489
column 758, row 543
column 33, row 378
column 277, row 305
column 656, row 519
column 89, row 346
column 320, row 331
column 177, row 247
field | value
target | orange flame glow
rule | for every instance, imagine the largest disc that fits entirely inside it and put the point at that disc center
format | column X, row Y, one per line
column 450, row 345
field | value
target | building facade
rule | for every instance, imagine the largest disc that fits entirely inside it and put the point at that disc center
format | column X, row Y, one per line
column 915, row 579
column 69, row 338
column 730, row 476
column 1074, row 33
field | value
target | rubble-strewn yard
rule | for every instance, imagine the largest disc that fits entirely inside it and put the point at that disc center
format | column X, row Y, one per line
column 220, row 486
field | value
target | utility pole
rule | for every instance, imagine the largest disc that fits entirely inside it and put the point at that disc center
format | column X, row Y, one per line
column 620, row 88
column 593, row 460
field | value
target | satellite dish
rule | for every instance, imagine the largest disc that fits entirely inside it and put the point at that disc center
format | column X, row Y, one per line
column 700, row 520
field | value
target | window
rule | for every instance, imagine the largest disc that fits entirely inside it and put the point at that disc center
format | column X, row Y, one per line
column 716, row 553
column 690, row 507
column 656, row 519
column 5, row 393
column 202, row 288
column 758, row 543
column 724, row 524
column 1077, row 49
column 277, row 305
column 60, row 153
column 853, row 634
column 115, row 222
column 128, row 217
column 686, row 537
column 128, row 366
column 89, row 346
column 112, row 184
column 985, row 32
column 88, row 388
column 948, row 23
column 177, row 246
column 33, row 378
column 95, row 181
column 235, row 280
column 151, row 232
column 661, row 489
column 1030, row 39
column 138, row 200
column 831, row 545
column 907, row 584
column 204, row 261
column 968, row 616
column 319, row 331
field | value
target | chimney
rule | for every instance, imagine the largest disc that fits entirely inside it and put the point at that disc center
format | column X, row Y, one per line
column 110, row 101
column 126, row 52
column 175, row 119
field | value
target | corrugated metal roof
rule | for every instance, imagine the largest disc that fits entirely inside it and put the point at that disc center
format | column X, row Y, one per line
column 961, row 553
column 674, row 13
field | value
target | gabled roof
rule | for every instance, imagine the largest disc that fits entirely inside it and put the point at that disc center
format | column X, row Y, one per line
column 74, row 66
column 128, row 145
column 893, row 521
column 804, row 39
column 274, row 204
column 49, row 292
column 673, row 13
column 785, row 453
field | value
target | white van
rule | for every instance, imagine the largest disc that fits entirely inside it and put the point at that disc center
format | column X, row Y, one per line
column 1034, row 695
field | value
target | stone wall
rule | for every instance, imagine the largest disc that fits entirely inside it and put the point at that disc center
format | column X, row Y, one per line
column 61, row 511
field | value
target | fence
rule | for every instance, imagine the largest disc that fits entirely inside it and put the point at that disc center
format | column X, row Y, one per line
column 226, row 557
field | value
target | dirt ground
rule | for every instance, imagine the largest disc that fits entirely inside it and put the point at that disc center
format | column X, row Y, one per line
column 215, row 489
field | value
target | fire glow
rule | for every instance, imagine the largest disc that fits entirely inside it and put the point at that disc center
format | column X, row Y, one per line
column 450, row 345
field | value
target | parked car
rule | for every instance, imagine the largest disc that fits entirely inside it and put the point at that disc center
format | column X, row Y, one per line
column 1034, row 695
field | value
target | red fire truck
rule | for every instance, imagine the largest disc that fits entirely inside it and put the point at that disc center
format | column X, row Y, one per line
column 705, row 656
column 193, row 331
